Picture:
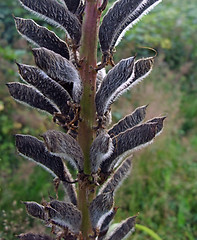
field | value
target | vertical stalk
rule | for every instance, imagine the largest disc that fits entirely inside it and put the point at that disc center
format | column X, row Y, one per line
column 88, row 54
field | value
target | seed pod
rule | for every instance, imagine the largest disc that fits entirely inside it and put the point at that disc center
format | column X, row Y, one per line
column 69, row 188
column 35, row 210
column 111, row 83
column 106, row 222
column 129, row 121
column 64, row 146
column 115, row 181
column 56, row 14
column 66, row 214
column 100, row 150
column 35, row 150
column 121, row 17
column 142, row 68
column 99, row 78
column 47, row 86
column 41, row 36
column 99, row 207
column 108, row 95
column 59, row 69
column 130, row 140
column 32, row 236
column 108, row 118
column 29, row 95
column 123, row 231
column 159, row 121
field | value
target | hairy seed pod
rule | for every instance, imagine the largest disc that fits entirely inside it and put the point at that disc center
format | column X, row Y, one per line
column 100, row 150
column 123, row 231
column 107, row 118
column 64, row 146
column 99, row 78
column 69, row 188
column 115, row 181
column 59, row 69
column 32, row 97
column 41, row 36
column 56, row 14
column 35, row 150
column 129, row 121
column 70, row 191
column 47, row 86
column 99, row 207
column 68, row 214
column 131, row 140
column 106, row 222
column 142, row 68
column 159, row 121
column 35, row 210
column 32, row 236
column 111, row 83
column 119, row 18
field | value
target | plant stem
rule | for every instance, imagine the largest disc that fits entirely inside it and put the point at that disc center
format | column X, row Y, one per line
column 88, row 54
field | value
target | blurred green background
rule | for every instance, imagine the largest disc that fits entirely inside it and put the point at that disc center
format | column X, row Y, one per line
column 162, row 187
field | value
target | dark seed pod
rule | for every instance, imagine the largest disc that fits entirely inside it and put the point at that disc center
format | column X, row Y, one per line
column 118, row 177
column 99, row 207
column 41, row 36
column 64, row 146
column 35, row 210
column 29, row 95
column 129, row 121
column 123, row 231
column 48, row 87
column 100, row 150
column 59, row 69
column 119, row 18
column 99, row 78
column 69, row 188
column 111, row 83
column 159, row 121
column 35, row 150
column 130, row 140
column 106, row 223
column 32, row 236
column 142, row 68
column 66, row 214
column 56, row 14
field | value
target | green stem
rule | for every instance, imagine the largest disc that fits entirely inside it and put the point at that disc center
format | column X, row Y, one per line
column 88, row 54
column 148, row 231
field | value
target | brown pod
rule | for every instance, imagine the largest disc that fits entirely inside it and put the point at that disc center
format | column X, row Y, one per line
column 63, row 145
column 59, row 69
column 41, row 36
column 35, row 150
column 32, row 97
column 124, row 229
column 47, row 86
column 35, row 210
column 129, row 121
column 56, row 14
column 120, row 17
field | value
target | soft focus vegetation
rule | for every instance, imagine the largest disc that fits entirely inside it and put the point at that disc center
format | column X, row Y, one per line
column 162, row 186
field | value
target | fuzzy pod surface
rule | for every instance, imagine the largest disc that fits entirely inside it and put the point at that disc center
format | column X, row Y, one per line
column 31, row 96
column 41, row 36
column 56, row 14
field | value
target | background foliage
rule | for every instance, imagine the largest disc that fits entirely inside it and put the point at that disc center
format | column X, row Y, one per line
column 162, row 186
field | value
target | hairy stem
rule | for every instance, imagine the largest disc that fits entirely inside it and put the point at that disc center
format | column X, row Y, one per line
column 88, row 55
